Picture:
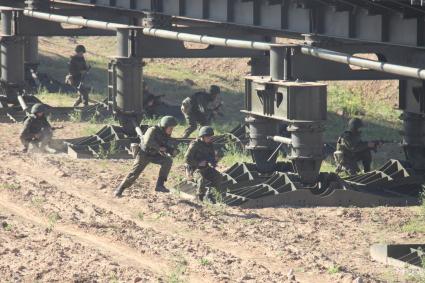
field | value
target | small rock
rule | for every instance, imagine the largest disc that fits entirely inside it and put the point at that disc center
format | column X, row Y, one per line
column 290, row 274
column 358, row 280
column 137, row 279
column 102, row 186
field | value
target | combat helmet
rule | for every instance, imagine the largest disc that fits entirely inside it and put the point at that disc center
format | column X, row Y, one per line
column 80, row 48
column 168, row 121
column 206, row 131
column 38, row 108
column 215, row 89
column 355, row 124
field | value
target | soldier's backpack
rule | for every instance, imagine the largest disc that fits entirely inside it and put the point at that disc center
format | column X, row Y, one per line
column 186, row 105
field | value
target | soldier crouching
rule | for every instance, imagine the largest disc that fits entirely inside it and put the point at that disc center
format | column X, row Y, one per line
column 201, row 160
column 37, row 130
column 350, row 149
column 153, row 149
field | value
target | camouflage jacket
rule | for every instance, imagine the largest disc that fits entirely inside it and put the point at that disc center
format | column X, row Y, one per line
column 34, row 125
column 200, row 101
column 350, row 143
column 154, row 138
column 77, row 65
column 199, row 151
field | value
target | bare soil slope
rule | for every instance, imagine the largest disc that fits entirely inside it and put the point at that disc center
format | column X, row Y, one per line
column 59, row 222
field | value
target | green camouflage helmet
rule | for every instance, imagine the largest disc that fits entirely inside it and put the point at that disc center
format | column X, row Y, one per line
column 206, row 131
column 80, row 48
column 168, row 121
column 214, row 89
column 355, row 124
column 38, row 108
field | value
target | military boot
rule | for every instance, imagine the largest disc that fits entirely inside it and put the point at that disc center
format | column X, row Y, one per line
column 119, row 190
column 160, row 187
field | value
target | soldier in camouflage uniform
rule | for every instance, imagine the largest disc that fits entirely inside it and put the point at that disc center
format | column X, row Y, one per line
column 150, row 102
column 350, row 149
column 153, row 149
column 37, row 129
column 77, row 69
column 201, row 160
column 195, row 109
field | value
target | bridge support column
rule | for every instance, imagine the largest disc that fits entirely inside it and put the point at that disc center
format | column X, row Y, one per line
column 412, row 102
column 276, row 100
column 12, row 60
column 31, row 59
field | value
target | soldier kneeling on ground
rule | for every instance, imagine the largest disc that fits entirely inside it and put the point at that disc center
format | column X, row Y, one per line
column 153, row 149
column 37, row 130
column 350, row 149
column 201, row 160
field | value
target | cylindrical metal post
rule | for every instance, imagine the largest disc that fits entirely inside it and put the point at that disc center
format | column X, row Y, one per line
column 129, row 97
column 306, row 150
column 31, row 50
column 6, row 22
column 129, row 75
column 12, row 59
column 122, row 42
column 287, row 65
column 260, row 146
column 414, row 139
column 277, row 56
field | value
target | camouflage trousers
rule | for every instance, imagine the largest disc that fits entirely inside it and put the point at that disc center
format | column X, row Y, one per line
column 142, row 160
column 40, row 139
column 193, row 119
column 205, row 175
column 349, row 163
column 82, row 91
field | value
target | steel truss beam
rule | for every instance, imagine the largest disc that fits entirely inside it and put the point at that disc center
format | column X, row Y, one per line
column 235, row 43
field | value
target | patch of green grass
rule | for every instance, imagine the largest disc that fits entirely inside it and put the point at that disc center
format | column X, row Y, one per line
column 334, row 269
column 382, row 121
column 161, row 215
column 52, row 220
column 113, row 278
column 7, row 226
column 89, row 129
column 204, row 262
column 10, row 186
column 38, row 202
column 108, row 152
column 141, row 215
column 177, row 273
column 417, row 224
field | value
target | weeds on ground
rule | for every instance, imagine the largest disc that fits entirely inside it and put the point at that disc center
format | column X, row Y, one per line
column 113, row 278
column 105, row 153
column 418, row 223
column 161, row 215
column 177, row 273
column 10, row 186
column 141, row 215
column 334, row 269
column 89, row 129
column 52, row 220
column 204, row 262
column 418, row 276
column 75, row 116
column 6, row 226
column 38, row 202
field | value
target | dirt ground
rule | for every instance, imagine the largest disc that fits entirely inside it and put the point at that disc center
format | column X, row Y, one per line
column 60, row 223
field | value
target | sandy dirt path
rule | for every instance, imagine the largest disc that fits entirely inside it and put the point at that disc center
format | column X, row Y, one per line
column 163, row 237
